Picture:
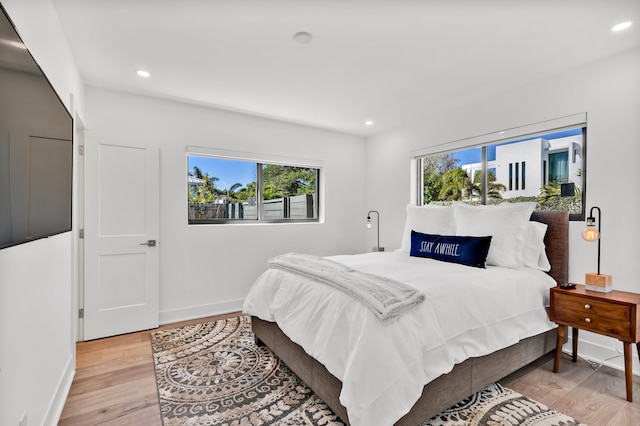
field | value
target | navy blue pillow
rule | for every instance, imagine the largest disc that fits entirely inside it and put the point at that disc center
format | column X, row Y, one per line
column 470, row 251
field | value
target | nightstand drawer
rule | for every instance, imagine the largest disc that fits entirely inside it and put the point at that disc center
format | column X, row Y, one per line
column 583, row 306
column 593, row 315
column 607, row 326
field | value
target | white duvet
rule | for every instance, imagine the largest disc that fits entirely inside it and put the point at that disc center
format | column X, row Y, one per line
column 467, row 312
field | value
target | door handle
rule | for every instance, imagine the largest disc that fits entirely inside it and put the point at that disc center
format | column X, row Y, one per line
column 150, row 243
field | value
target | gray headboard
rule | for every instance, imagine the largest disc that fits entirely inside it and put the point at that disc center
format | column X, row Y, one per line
column 557, row 243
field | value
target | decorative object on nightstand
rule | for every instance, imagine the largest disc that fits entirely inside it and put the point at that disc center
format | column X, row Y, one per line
column 614, row 314
column 370, row 225
column 596, row 282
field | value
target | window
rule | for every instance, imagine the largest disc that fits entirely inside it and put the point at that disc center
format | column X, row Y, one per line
column 223, row 190
column 510, row 176
column 559, row 167
column 497, row 171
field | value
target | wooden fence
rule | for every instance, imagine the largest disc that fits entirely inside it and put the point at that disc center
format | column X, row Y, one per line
column 297, row 207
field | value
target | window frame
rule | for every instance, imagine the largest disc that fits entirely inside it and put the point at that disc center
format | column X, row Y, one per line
column 504, row 136
column 260, row 160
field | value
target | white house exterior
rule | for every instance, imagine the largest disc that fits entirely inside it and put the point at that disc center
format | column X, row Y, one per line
column 525, row 167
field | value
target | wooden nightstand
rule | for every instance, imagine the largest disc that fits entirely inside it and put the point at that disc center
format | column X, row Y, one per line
column 615, row 314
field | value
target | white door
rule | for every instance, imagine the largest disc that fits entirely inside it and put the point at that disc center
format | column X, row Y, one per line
column 121, row 280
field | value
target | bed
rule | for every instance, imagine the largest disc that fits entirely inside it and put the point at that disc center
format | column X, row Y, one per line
column 442, row 381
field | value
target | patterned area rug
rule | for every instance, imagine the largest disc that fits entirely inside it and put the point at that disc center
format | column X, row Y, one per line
column 214, row 374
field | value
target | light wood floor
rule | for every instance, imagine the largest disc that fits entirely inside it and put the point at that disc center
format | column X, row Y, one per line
column 115, row 385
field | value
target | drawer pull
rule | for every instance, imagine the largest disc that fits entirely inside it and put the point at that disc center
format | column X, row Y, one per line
column 587, row 320
column 587, row 306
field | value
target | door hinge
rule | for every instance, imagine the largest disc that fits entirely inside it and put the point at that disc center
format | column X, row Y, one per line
column 81, row 149
column 81, row 233
column 81, row 313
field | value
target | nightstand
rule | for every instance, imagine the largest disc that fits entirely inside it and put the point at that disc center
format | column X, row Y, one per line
column 615, row 314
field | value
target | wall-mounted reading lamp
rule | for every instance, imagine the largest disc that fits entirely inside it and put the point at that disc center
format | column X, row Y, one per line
column 370, row 225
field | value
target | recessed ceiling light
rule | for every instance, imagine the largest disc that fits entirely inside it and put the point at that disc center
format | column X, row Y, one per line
column 621, row 26
column 143, row 73
column 302, row 37
column 368, row 123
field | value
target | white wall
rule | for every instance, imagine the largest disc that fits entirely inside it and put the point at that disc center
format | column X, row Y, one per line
column 208, row 269
column 608, row 91
column 36, row 351
column 37, row 280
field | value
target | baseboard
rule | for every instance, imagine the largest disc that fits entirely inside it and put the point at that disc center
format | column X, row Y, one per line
column 200, row 311
column 54, row 412
column 611, row 356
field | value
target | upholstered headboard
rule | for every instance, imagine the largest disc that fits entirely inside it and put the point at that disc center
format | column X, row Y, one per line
column 557, row 243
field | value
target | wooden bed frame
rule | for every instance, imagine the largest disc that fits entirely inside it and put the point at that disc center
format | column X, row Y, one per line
column 465, row 379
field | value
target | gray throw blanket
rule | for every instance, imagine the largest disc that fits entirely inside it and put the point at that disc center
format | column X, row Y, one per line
column 387, row 298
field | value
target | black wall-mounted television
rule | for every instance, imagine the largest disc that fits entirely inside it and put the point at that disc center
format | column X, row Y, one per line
column 36, row 147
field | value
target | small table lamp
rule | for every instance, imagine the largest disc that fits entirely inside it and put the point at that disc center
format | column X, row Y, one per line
column 596, row 281
column 369, row 226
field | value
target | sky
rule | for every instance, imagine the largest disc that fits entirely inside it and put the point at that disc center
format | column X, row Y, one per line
column 227, row 171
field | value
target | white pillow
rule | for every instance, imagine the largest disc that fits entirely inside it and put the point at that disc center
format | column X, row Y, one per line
column 427, row 220
column 506, row 223
column 534, row 252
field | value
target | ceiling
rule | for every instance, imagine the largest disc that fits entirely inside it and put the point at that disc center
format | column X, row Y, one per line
column 386, row 61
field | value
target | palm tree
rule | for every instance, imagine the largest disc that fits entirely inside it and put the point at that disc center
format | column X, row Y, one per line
column 231, row 191
column 456, row 185
column 248, row 191
column 197, row 173
column 494, row 189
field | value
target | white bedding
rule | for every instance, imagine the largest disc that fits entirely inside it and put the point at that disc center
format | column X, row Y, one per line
column 467, row 312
